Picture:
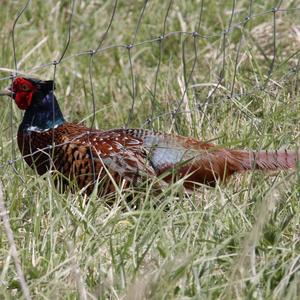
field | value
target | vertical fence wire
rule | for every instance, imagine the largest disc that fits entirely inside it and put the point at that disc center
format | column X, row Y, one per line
column 132, row 78
column 161, row 49
column 13, row 75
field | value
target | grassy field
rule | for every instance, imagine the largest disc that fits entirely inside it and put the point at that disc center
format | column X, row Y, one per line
column 227, row 84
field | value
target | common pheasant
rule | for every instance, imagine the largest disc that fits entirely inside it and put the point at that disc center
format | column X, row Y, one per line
column 86, row 156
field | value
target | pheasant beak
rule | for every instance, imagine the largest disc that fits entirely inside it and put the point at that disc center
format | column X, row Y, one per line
column 7, row 92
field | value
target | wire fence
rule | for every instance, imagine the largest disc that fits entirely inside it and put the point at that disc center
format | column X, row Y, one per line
column 229, row 39
column 193, row 37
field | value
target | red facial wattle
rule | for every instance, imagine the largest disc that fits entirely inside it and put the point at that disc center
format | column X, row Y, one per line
column 23, row 99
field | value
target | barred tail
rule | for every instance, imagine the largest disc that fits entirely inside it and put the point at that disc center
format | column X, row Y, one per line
column 265, row 160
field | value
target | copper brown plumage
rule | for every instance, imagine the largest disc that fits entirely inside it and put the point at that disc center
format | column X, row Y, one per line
column 85, row 155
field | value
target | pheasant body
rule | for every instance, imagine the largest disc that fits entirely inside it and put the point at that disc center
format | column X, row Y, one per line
column 86, row 155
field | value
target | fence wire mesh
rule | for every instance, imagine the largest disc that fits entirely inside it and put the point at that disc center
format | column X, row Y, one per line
column 207, row 69
column 245, row 50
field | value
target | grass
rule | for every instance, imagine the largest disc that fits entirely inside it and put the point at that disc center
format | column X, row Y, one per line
column 239, row 240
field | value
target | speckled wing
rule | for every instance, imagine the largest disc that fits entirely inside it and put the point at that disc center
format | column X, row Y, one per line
column 120, row 153
column 123, row 154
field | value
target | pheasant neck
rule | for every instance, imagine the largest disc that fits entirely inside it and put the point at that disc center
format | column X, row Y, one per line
column 43, row 115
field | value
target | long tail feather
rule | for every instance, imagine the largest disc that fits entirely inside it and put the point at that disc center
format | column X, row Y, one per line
column 264, row 160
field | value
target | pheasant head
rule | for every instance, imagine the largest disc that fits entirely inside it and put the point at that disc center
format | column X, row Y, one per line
column 36, row 97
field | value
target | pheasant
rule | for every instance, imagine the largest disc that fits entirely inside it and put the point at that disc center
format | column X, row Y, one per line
column 86, row 156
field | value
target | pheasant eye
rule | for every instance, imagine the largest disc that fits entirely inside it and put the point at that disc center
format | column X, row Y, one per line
column 24, row 88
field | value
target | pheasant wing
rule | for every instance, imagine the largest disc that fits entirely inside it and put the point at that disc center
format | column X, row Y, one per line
column 121, row 154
